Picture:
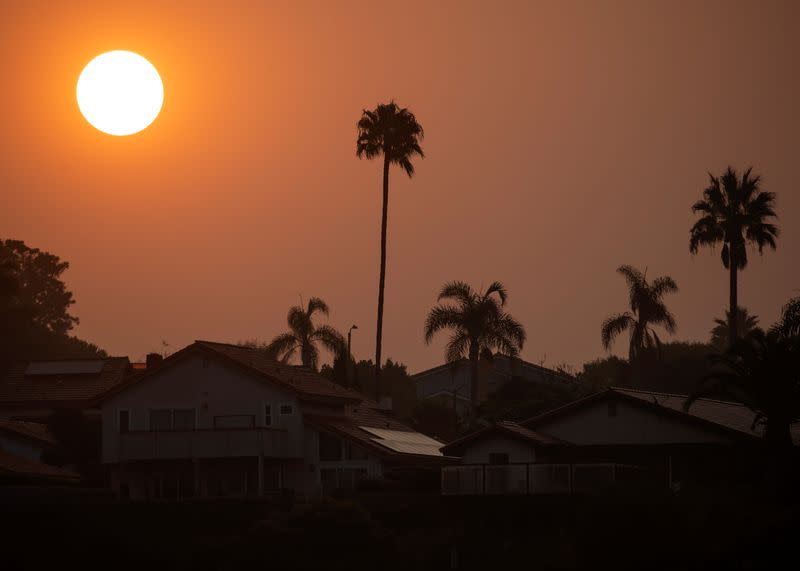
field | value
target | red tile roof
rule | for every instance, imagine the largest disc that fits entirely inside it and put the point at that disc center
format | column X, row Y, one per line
column 30, row 430
column 15, row 466
column 307, row 384
column 17, row 388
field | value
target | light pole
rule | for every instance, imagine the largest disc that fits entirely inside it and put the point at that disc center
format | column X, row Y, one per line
column 350, row 353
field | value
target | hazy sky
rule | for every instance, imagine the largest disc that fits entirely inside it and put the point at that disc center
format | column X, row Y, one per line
column 562, row 140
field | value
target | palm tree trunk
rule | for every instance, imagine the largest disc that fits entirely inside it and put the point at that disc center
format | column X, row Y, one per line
column 473, row 379
column 382, row 282
column 734, row 305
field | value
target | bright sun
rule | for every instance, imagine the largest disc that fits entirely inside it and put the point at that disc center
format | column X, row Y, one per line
column 120, row 93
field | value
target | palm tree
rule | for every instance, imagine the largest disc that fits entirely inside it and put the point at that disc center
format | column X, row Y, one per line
column 303, row 336
column 745, row 323
column 647, row 310
column 760, row 371
column 393, row 132
column 789, row 323
column 733, row 212
column 478, row 323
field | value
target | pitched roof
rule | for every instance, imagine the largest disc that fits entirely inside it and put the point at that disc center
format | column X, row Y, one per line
column 507, row 428
column 646, row 399
column 500, row 358
column 15, row 466
column 368, row 427
column 307, row 384
column 35, row 431
column 734, row 415
column 56, row 382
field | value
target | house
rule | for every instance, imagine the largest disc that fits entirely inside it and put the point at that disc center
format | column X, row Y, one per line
column 224, row 420
column 32, row 390
column 450, row 383
column 21, row 446
column 618, row 436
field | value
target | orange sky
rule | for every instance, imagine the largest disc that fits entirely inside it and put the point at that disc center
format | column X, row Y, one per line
column 563, row 139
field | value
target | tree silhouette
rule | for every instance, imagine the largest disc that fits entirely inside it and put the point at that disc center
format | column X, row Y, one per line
column 478, row 323
column 733, row 212
column 760, row 371
column 745, row 323
column 647, row 309
column 303, row 336
column 391, row 132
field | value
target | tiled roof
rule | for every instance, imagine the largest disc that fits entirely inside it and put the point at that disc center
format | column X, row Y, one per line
column 507, row 427
column 352, row 426
column 731, row 414
column 307, row 384
column 19, row 467
column 300, row 379
column 18, row 388
column 30, row 430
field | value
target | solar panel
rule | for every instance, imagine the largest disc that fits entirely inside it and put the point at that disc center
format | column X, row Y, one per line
column 43, row 368
column 404, row 441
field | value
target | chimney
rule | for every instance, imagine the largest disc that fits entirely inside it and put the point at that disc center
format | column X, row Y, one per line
column 153, row 359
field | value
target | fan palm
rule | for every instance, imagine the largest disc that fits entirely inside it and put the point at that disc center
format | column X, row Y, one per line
column 303, row 336
column 745, row 323
column 478, row 323
column 734, row 212
column 647, row 309
column 395, row 134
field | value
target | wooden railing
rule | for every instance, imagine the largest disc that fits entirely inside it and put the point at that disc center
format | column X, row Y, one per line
column 209, row 443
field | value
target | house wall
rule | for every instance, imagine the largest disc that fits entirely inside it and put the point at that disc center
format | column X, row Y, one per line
column 478, row 451
column 210, row 387
column 594, row 425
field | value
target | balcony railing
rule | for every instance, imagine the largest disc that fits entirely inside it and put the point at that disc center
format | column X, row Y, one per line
column 524, row 479
column 209, row 443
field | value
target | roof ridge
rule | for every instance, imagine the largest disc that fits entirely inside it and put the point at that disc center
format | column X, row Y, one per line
column 678, row 395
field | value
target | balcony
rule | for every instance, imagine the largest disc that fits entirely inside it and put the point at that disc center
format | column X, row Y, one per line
column 204, row 443
column 530, row 479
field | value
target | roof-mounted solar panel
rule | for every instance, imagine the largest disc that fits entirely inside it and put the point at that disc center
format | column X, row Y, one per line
column 48, row 368
column 405, row 442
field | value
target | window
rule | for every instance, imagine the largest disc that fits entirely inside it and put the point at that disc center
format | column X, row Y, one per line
column 287, row 410
column 161, row 419
column 267, row 415
column 124, row 421
column 330, row 447
column 183, row 419
column 354, row 452
column 612, row 408
column 172, row 419
column 497, row 458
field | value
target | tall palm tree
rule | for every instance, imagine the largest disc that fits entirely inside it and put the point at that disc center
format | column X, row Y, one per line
column 734, row 212
column 478, row 323
column 395, row 134
column 745, row 323
column 303, row 336
column 647, row 309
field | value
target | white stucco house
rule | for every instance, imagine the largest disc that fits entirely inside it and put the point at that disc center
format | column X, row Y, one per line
column 223, row 420
column 615, row 437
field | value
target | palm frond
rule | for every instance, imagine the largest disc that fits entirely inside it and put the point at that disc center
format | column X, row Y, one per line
column 615, row 325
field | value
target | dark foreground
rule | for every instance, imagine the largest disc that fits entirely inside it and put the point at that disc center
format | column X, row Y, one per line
column 701, row 529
